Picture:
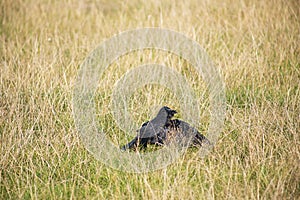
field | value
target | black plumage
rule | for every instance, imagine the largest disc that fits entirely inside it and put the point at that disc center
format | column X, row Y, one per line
column 150, row 131
column 162, row 130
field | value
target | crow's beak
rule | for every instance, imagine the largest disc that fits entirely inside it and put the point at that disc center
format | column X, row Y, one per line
column 173, row 112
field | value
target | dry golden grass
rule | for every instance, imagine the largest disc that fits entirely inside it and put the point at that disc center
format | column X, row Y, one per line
column 256, row 44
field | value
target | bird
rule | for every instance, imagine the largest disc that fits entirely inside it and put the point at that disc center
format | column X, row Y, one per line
column 150, row 130
column 162, row 130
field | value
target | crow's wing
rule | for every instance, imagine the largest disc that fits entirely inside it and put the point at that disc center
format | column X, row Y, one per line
column 156, row 125
column 189, row 133
column 152, row 128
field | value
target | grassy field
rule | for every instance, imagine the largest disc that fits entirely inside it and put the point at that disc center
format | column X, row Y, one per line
column 256, row 45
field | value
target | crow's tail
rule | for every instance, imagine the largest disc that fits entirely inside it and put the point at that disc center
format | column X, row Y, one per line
column 130, row 145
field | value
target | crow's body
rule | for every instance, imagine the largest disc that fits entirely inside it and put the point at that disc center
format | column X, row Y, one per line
column 150, row 130
column 161, row 130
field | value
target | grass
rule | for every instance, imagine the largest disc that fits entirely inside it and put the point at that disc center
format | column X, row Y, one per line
column 256, row 45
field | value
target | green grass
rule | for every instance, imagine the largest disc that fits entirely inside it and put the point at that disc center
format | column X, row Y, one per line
column 256, row 45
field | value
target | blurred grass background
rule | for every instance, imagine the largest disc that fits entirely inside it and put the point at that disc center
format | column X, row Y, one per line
column 255, row 43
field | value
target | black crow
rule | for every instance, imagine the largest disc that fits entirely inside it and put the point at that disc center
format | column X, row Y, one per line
column 150, row 130
column 163, row 130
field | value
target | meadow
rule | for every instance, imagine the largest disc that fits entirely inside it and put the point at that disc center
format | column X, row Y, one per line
column 254, row 43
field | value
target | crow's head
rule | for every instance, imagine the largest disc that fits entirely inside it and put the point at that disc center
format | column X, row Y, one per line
column 169, row 111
